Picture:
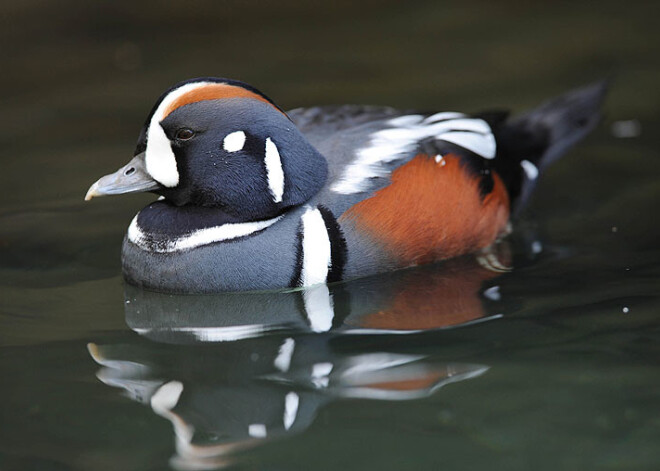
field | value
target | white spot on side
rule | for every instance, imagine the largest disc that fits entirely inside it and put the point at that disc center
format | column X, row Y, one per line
column 257, row 431
column 315, row 248
column 274, row 171
column 493, row 293
column 159, row 158
column 537, row 247
column 234, row 141
column 196, row 238
column 319, row 307
column 291, row 402
column 626, row 310
column 402, row 138
column 320, row 374
column 283, row 359
column 530, row 169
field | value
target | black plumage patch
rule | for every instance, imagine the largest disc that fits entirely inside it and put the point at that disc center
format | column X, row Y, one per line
column 168, row 220
column 338, row 249
column 514, row 144
column 297, row 270
column 474, row 163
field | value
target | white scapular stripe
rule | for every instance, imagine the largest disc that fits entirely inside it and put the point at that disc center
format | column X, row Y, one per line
column 196, row 238
column 443, row 115
column 530, row 169
column 315, row 248
column 470, row 141
column 403, row 136
column 291, row 402
column 159, row 159
column 274, row 171
column 233, row 142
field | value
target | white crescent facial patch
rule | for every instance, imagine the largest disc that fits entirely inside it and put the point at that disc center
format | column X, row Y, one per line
column 159, row 157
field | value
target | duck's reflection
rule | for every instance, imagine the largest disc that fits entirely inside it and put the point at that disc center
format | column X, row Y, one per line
column 235, row 370
column 406, row 301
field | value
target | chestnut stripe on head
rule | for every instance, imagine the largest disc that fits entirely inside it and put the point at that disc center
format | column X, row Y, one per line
column 213, row 91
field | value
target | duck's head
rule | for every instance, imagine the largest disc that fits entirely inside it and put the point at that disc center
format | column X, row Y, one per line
column 220, row 143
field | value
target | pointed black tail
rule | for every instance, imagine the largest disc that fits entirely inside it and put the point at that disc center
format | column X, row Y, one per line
column 529, row 142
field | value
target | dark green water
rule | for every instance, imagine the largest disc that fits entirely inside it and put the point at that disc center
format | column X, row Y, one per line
column 560, row 372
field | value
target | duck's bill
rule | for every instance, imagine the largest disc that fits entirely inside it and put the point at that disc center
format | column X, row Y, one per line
column 131, row 178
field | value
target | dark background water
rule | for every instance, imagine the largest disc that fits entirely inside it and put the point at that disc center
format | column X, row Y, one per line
column 566, row 378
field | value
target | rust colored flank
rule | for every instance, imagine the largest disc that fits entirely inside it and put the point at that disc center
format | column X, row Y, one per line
column 432, row 212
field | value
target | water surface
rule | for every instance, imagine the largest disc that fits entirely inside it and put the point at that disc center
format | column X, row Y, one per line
column 551, row 366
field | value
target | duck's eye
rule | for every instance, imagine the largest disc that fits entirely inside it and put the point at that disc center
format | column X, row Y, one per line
column 184, row 134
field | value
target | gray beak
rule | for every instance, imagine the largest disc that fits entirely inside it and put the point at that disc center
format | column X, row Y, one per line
column 131, row 178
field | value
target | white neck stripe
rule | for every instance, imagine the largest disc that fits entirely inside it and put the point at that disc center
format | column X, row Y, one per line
column 208, row 235
column 316, row 250
column 233, row 142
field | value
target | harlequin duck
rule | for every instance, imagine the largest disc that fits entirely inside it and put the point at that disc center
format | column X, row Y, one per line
column 256, row 198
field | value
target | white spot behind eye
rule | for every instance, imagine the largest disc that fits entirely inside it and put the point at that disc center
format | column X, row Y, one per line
column 234, row 141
